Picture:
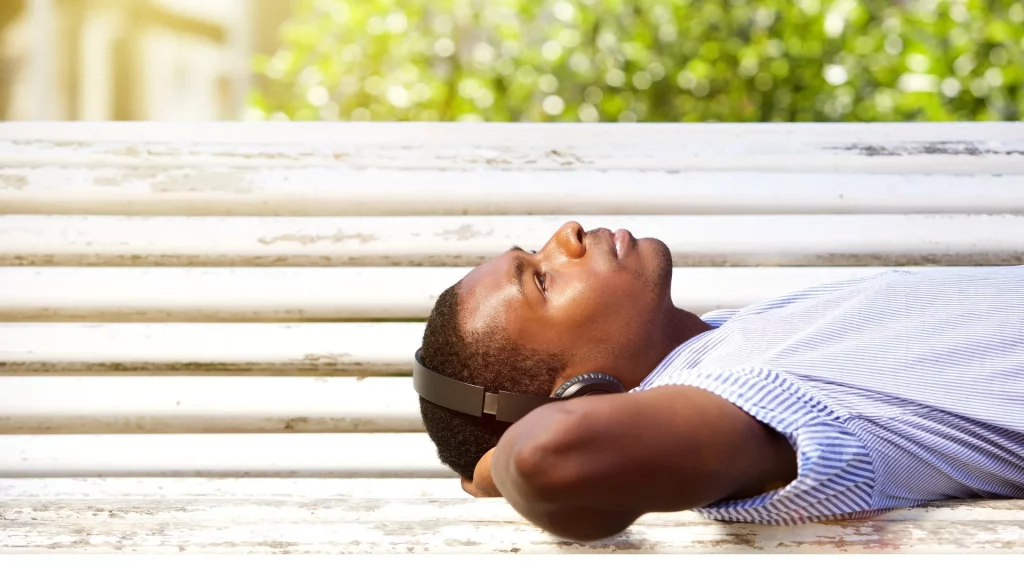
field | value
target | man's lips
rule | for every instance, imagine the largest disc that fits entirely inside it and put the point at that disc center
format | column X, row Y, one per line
column 623, row 241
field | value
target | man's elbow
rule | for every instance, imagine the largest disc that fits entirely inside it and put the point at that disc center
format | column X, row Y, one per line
column 539, row 477
column 549, row 477
column 546, row 468
column 551, row 487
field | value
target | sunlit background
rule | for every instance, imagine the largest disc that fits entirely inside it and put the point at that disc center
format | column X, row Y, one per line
column 512, row 60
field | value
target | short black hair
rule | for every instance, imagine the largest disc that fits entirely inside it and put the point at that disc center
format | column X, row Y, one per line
column 490, row 360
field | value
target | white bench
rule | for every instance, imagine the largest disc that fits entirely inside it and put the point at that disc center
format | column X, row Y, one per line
column 206, row 331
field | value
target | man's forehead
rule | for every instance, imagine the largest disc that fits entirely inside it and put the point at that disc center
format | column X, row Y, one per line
column 488, row 294
column 490, row 272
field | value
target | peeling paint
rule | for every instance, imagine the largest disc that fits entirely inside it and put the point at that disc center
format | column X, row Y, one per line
column 460, row 543
column 311, row 367
column 308, row 239
column 126, row 176
column 566, row 158
column 221, row 181
column 463, row 233
column 931, row 148
column 328, row 358
column 511, row 158
column 13, row 181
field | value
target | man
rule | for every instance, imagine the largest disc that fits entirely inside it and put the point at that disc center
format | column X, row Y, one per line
column 838, row 401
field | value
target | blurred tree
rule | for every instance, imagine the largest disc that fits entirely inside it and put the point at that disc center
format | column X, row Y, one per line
column 647, row 60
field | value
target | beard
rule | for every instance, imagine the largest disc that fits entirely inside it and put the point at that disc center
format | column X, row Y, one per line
column 656, row 276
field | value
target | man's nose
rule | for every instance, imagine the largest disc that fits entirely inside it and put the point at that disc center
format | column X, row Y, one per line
column 568, row 241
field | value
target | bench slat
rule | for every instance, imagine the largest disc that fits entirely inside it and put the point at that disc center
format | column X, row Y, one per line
column 464, row 508
column 159, row 404
column 340, row 191
column 300, row 489
column 339, row 349
column 272, row 294
column 417, row 525
column 820, row 240
column 374, row 455
column 965, row 148
column 285, row 489
column 438, row 135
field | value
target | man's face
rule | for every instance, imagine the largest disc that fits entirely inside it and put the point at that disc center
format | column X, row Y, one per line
column 594, row 297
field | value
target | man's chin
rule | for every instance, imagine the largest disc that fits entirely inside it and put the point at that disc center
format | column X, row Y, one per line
column 660, row 251
column 658, row 265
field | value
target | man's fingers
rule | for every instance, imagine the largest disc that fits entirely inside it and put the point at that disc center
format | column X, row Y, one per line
column 469, row 488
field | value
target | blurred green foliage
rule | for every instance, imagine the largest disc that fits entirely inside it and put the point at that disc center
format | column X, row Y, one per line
column 647, row 60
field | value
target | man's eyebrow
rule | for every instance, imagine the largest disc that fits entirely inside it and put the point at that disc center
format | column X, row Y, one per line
column 518, row 268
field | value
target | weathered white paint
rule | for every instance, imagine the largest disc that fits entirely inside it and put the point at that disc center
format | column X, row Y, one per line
column 374, row 455
column 342, row 492
column 191, row 348
column 87, row 294
column 225, row 294
column 352, row 508
column 157, row 404
column 777, row 240
column 297, row 523
column 964, row 148
column 259, row 190
column 441, row 135
column 300, row 489
column 86, row 488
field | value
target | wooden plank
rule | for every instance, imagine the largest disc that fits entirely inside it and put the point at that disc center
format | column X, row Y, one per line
column 258, row 190
column 299, row 523
column 818, row 240
column 339, row 349
column 277, row 294
column 423, row 133
column 963, row 148
column 419, row 134
column 373, row 455
column 195, row 488
column 124, row 294
column 168, row 404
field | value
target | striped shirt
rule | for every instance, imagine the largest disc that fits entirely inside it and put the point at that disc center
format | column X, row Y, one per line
column 894, row 390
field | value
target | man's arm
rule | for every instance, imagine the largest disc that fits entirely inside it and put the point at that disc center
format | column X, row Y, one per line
column 588, row 468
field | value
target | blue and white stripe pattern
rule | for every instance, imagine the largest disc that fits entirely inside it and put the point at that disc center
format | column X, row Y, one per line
column 895, row 389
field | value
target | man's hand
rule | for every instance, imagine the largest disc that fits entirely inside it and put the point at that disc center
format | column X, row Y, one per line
column 482, row 485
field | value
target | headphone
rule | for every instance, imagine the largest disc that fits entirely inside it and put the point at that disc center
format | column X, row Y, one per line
column 504, row 406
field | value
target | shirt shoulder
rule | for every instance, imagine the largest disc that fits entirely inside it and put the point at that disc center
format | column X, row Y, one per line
column 717, row 318
column 830, row 289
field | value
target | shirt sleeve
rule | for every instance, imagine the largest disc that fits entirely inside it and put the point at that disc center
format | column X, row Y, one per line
column 836, row 477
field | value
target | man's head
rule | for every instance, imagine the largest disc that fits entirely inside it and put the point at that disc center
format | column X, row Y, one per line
column 526, row 321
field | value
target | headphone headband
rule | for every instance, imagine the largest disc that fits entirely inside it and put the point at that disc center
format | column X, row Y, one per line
column 504, row 406
column 470, row 399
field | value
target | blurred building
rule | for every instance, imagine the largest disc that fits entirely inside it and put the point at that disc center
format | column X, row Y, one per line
column 131, row 59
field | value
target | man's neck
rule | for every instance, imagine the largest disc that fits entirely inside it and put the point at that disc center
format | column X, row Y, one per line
column 680, row 326
column 684, row 326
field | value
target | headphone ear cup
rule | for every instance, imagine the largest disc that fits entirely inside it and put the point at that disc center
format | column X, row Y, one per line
column 589, row 383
